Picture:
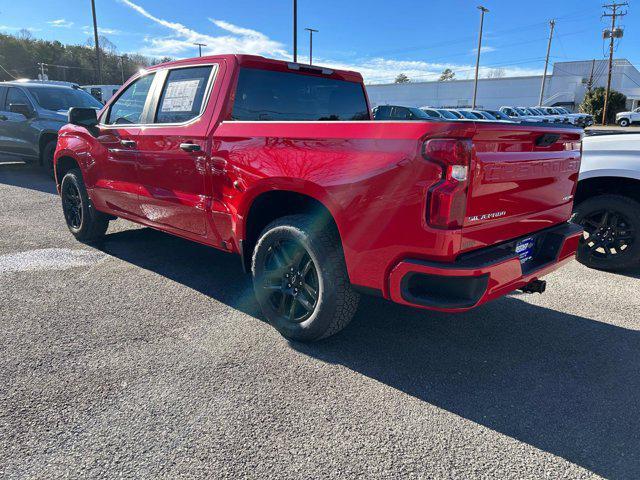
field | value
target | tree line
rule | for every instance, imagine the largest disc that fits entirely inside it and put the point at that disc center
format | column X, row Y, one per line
column 21, row 56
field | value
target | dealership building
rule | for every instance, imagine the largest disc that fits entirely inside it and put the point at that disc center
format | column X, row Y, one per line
column 566, row 86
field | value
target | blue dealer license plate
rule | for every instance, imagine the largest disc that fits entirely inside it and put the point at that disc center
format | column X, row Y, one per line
column 524, row 249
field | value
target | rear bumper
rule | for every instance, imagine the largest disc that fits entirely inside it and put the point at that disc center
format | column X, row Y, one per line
column 480, row 276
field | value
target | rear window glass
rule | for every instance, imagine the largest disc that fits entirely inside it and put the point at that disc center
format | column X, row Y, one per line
column 268, row 95
column 183, row 94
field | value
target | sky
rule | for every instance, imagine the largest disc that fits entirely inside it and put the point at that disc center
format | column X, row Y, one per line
column 381, row 39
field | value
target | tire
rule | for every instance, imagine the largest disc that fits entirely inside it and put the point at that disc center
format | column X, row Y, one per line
column 83, row 220
column 47, row 157
column 612, row 232
column 294, row 253
column 624, row 122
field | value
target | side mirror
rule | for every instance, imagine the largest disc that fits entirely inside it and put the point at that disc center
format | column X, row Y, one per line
column 21, row 108
column 83, row 117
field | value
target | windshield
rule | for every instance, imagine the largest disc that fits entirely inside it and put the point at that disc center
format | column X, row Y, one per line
column 521, row 111
column 499, row 115
column 467, row 114
column 58, row 99
column 428, row 112
column 539, row 111
column 447, row 114
column 487, row 115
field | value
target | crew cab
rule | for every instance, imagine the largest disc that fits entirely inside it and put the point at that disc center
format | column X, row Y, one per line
column 282, row 164
column 607, row 203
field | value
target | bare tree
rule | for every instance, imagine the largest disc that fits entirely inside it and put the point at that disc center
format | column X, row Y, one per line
column 447, row 74
column 496, row 73
column 402, row 78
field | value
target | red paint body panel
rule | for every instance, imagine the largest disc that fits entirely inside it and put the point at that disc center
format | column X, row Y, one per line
column 370, row 175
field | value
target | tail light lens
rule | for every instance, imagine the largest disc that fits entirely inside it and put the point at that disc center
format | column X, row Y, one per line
column 447, row 203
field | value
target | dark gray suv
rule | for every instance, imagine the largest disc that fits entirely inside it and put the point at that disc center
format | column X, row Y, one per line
column 32, row 112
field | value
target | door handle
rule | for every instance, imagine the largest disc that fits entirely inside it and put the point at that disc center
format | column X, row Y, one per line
column 190, row 147
column 128, row 143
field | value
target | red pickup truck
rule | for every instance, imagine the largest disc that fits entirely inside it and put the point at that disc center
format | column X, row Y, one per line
column 282, row 164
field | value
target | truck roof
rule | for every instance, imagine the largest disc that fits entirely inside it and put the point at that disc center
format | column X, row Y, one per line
column 257, row 61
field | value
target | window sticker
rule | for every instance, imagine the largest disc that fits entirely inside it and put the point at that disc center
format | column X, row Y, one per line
column 180, row 95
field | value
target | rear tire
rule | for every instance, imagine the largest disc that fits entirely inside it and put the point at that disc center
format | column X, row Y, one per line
column 300, row 279
column 612, row 232
column 623, row 122
column 83, row 220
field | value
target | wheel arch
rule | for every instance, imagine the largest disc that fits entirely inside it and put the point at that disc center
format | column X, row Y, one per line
column 271, row 204
column 62, row 165
column 45, row 137
column 619, row 185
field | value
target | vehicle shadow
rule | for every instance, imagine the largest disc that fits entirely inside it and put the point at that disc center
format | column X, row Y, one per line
column 565, row 384
column 23, row 175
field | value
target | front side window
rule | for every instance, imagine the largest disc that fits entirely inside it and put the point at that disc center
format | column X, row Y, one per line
column 265, row 95
column 183, row 94
column 15, row 95
column 128, row 108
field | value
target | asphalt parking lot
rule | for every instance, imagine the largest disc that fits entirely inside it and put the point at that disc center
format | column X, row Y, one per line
column 147, row 357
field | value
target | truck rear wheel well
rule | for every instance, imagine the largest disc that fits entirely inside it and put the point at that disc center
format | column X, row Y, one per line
column 63, row 165
column 591, row 187
column 45, row 138
column 270, row 206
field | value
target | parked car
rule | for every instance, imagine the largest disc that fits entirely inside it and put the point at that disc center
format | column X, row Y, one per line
column 498, row 115
column 579, row 119
column 624, row 119
column 518, row 114
column 455, row 113
column 432, row 112
column 397, row 112
column 554, row 117
column 102, row 93
column 607, row 203
column 32, row 112
column 444, row 113
column 281, row 164
column 466, row 114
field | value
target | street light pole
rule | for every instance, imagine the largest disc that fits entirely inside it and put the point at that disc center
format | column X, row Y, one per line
column 95, row 40
column 311, row 31
column 200, row 45
column 295, row 31
column 475, row 83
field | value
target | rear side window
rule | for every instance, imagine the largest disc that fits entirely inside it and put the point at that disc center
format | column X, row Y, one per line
column 15, row 95
column 183, row 94
column 129, row 106
column 268, row 95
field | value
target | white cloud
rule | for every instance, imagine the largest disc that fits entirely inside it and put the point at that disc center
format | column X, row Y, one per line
column 61, row 23
column 103, row 31
column 9, row 28
column 236, row 39
column 484, row 49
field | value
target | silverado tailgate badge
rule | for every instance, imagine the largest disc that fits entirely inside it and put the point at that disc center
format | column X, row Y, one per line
column 486, row 216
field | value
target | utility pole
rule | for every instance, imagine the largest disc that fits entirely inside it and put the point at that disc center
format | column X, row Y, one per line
column 122, row 67
column 42, row 74
column 295, row 31
column 612, row 35
column 590, row 84
column 95, row 40
column 200, row 45
column 552, row 23
column 475, row 83
column 311, row 31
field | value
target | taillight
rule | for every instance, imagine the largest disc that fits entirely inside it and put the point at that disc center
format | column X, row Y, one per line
column 448, row 198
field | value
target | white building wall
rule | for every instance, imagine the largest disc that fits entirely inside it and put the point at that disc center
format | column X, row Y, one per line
column 567, row 84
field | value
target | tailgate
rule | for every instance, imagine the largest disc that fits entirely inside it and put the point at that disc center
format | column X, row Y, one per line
column 523, row 180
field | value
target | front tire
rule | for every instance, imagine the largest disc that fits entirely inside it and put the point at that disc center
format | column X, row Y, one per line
column 83, row 220
column 612, row 232
column 623, row 122
column 47, row 157
column 300, row 279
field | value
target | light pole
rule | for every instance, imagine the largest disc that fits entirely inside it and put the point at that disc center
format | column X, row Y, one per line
column 475, row 83
column 200, row 45
column 95, row 40
column 295, row 31
column 311, row 31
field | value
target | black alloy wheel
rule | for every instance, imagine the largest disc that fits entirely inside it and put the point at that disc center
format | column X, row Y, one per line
column 291, row 283
column 72, row 205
